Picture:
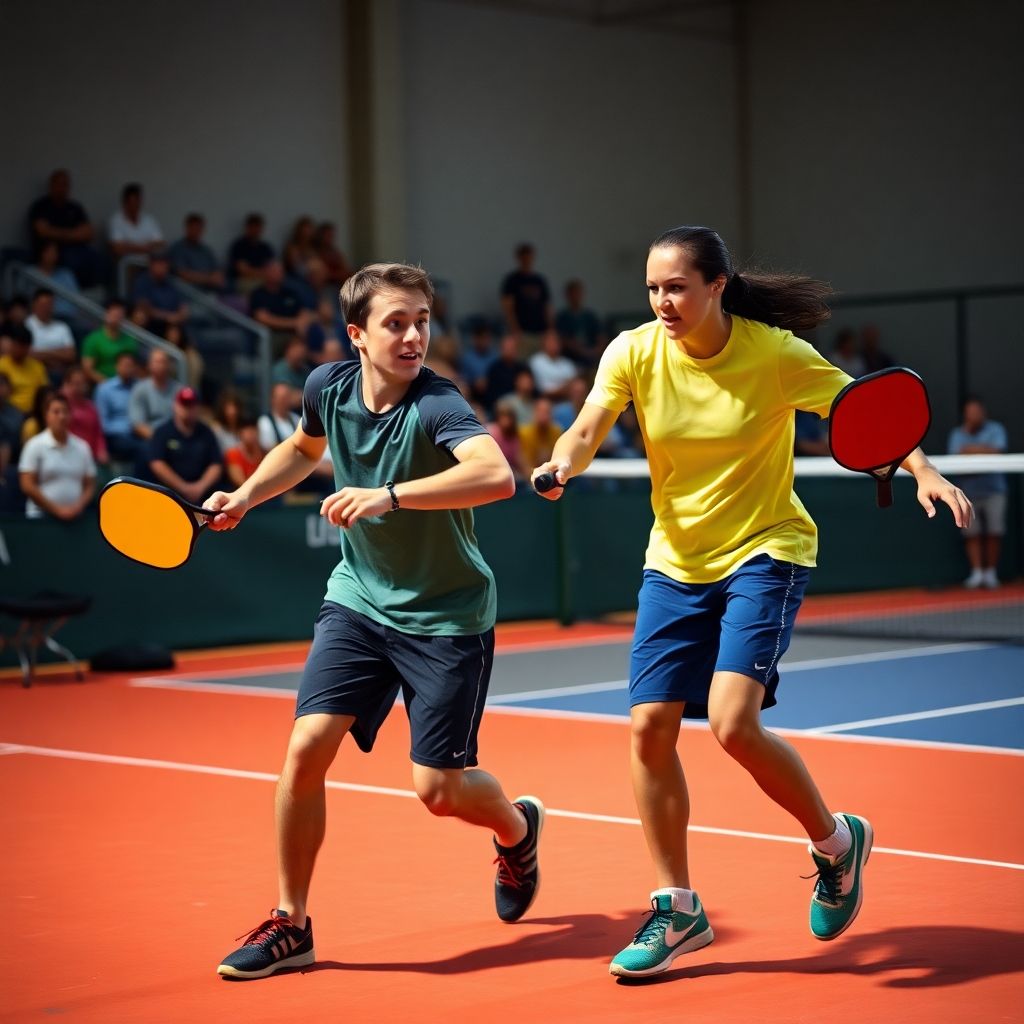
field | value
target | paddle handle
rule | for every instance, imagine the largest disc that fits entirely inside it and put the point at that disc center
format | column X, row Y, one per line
column 545, row 482
column 883, row 493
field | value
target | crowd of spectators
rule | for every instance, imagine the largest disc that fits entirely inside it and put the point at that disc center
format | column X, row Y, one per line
column 526, row 370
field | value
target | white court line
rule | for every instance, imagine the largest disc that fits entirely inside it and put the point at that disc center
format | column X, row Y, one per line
column 806, row 734
column 917, row 716
column 237, row 773
column 497, row 707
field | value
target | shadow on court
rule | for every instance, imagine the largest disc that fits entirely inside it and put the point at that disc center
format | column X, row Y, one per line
column 925, row 957
column 576, row 937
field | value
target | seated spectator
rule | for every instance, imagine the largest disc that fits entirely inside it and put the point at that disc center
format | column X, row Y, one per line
column 248, row 256
column 479, row 357
column 101, row 348
column 810, row 434
column 241, row 460
column 227, row 418
column 335, row 265
column 579, row 327
column 505, row 430
column 502, row 373
column 183, row 452
column 277, row 306
column 292, row 369
column 130, row 230
column 443, row 358
column 35, row 422
column 194, row 261
column 845, row 354
column 523, row 396
column 152, row 400
column 48, row 263
column 156, row 304
column 56, row 217
column 15, row 312
column 56, row 469
column 537, row 439
column 978, row 435
column 874, row 358
column 551, row 370
column 11, row 418
column 299, row 250
column 53, row 344
column 113, row 405
column 25, row 373
column 85, row 420
column 279, row 423
column 10, row 446
column 327, row 325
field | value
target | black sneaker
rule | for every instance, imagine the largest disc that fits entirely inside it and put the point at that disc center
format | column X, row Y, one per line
column 275, row 945
column 518, row 880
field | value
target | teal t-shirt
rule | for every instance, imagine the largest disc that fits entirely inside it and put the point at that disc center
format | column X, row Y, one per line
column 416, row 571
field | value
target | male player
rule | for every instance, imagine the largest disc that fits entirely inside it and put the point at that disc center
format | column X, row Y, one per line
column 410, row 606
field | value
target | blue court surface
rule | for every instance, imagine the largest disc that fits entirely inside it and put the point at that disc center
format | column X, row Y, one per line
column 964, row 694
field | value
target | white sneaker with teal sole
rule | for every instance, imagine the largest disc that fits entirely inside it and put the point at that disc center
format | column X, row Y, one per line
column 839, row 891
column 666, row 934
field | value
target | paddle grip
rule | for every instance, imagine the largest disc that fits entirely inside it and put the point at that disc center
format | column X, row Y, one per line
column 883, row 493
column 545, row 482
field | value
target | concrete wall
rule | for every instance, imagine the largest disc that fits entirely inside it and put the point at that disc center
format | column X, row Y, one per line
column 583, row 140
column 221, row 107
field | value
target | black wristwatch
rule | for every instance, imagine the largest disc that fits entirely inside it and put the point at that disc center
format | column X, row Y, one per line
column 390, row 485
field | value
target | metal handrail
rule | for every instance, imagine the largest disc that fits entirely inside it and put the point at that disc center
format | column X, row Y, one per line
column 93, row 310
column 218, row 310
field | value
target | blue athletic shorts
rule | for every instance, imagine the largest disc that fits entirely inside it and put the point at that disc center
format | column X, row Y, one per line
column 685, row 632
column 357, row 666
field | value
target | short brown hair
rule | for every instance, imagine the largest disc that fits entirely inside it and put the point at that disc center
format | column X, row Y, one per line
column 359, row 290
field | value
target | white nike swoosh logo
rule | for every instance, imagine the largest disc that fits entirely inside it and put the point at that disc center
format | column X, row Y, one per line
column 673, row 937
column 458, row 753
column 760, row 668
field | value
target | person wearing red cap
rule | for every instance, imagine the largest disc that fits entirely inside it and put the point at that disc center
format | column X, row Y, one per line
column 183, row 452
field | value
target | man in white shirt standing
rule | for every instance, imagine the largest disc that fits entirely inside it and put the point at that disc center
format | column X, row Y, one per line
column 130, row 229
column 53, row 344
column 551, row 369
column 56, row 469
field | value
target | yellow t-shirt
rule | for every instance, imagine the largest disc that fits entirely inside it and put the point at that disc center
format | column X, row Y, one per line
column 27, row 378
column 537, row 443
column 719, row 439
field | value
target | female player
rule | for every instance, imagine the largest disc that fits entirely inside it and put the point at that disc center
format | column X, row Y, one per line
column 715, row 379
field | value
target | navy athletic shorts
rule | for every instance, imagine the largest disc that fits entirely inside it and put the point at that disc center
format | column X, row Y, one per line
column 357, row 667
column 685, row 632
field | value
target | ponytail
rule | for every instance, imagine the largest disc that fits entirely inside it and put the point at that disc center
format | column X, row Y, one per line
column 789, row 301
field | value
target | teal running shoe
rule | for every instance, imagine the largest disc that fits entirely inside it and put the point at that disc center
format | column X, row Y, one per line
column 839, row 891
column 666, row 934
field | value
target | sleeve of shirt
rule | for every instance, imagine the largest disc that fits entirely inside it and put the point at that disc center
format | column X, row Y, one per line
column 508, row 285
column 312, row 424
column 999, row 439
column 28, row 462
column 137, row 405
column 612, row 389
column 446, row 416
column 115, row 229
column 956, row 441
column 807, row 379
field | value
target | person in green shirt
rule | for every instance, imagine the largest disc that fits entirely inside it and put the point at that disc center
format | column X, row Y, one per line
column 101, row 348
column 410, row 607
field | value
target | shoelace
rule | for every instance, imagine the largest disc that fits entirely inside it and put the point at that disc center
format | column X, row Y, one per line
column 507, row 872
column 657, row 921
column 829, row 878
column 271, row 929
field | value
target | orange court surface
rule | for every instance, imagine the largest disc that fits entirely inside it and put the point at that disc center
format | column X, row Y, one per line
column 139, row 844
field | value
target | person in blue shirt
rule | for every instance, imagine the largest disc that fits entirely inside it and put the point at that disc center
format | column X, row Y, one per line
column 978, row 435
column 113, row 398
